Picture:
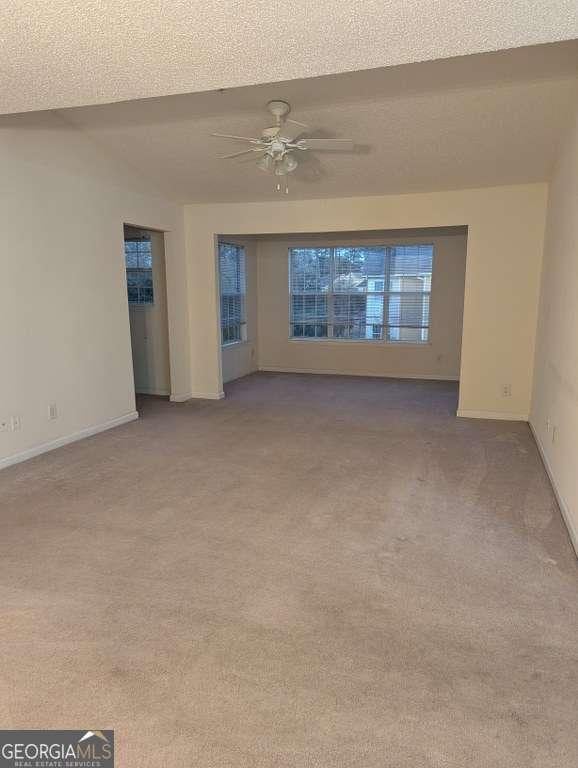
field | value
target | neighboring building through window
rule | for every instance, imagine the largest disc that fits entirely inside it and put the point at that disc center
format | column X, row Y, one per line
column 139, row 269
column 232, row 284
column 379, row 293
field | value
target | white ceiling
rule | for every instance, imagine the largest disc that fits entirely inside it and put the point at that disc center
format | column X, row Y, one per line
column 58, row 53
column 474, row 121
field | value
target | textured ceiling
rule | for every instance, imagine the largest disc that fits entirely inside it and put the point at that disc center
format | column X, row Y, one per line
column 475, row 121
column 58, row 53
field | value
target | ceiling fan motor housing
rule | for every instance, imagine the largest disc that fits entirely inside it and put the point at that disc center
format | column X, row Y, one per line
column 278, row 108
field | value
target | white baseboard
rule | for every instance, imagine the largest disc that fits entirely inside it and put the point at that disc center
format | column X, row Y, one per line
column 501, row 415
column 176, row 398
column 566, row 516
column 197, row 396
column 29, row 453
column 341, row 372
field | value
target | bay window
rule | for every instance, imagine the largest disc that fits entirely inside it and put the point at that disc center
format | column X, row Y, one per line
column 378, row 293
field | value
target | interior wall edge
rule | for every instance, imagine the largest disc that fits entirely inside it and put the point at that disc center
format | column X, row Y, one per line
column 565, row 511
column 554, row 405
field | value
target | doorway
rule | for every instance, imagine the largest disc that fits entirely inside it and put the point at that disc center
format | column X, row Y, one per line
column 147, row 302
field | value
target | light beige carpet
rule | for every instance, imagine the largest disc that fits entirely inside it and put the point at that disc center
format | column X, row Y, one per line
column 317, row 571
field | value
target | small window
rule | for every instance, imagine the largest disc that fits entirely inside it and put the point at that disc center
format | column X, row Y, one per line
column 378, row 293
column 139, row 270
column 232, row 288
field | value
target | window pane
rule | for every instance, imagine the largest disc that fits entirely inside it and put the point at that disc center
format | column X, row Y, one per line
column 308, row 307
column 139, row 276
column 297, row 329
column 361, row 292
column 131, row 254
column 147, row 293
column 377, row 331
column 411, row 260
column 408, row 335
column 408, row 303
column 145, row 255
column 132, row 293
column 410, row 309
column 140, row 286
column 310, row 277
column 359, row 270
column 231, row 333
column 232, row 268
column 357, row 317
column 232, row 290
column 310, row 270
column 374, row 312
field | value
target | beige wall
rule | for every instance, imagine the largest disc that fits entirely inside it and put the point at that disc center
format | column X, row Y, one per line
column 64, row 329
column 240, row 359
column 438, row 359
column 554, row 414
column 504, row 254
column 149, row 328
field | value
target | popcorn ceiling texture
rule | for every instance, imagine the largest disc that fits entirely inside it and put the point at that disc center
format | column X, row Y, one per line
column 478, row 113
column 58, row 54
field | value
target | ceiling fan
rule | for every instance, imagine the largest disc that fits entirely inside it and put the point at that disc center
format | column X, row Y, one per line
column 279, row 145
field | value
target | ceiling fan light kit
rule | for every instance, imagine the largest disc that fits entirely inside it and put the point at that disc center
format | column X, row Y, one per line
column 278, row 144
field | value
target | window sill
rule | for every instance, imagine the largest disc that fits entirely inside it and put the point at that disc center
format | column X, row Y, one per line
column 230, row 344
column 361, row 342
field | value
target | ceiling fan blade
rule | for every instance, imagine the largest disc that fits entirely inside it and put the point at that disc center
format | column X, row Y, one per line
column 291, row 129
column 334, row 144
column 242, row 152
column 291, row 120
column 237, row 138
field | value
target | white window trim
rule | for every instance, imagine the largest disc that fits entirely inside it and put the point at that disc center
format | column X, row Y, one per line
column 331, row 340
column 319, row 341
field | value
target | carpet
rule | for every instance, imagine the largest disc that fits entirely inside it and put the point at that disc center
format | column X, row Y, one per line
column 316, row 571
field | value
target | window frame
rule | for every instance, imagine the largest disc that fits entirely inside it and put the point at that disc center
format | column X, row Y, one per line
column 361, row 341
column 243, row 323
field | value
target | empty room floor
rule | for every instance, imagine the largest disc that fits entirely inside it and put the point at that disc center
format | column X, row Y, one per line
column 316, row 571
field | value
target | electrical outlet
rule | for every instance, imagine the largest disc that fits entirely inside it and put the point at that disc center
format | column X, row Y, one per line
column 554, row 433
column 548, row 426
column 16, row 423
column 507, row 390
column 5, row 425
column 52, row 411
